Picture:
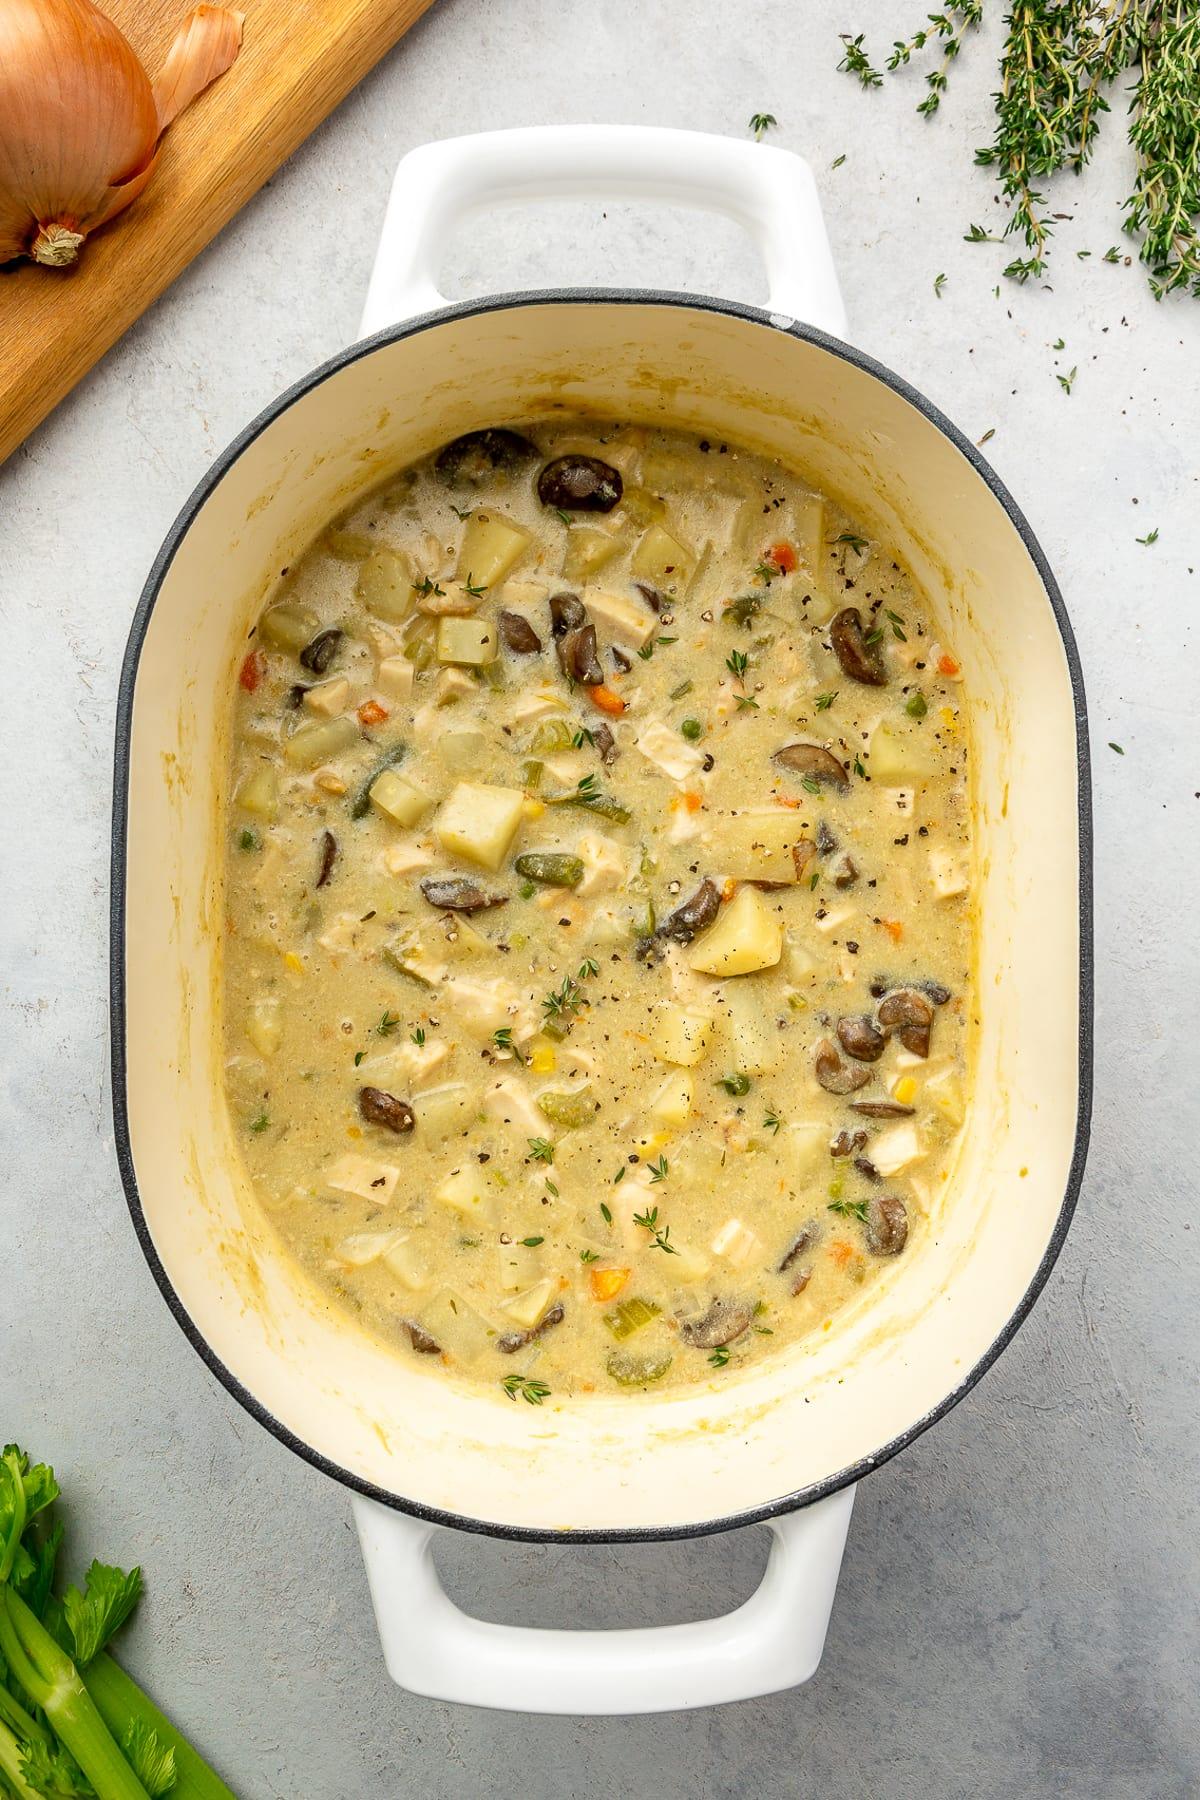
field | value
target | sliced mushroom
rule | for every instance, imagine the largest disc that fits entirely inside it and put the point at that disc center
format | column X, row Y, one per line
column 910, row 1015
column 378, row 1108
column 606, row 744
column 826, row 842
column 421, row 1340
column 803, row 851
column 620, row 660
column 887, row 1225
column 517, row 1340
column 867, row 1168
column 579, row 484
column 696, row 914
column 937, row 993
column 812, row 762
column 847, row 1142
column 454, row 893
column 567, row 613
column 577, row 654
column 882, row 1109
column 806, row 1238
column 845, row 871
column 720, row 1324
column 517, row 634
column 318, row 655
column 835, row 1076
column 800, row 1280
column 329, row 850
column 654, row 599
column 478, row 455
column 859, row 1039
column 859, row 660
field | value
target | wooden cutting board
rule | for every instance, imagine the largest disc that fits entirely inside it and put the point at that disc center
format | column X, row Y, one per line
column 299, row 58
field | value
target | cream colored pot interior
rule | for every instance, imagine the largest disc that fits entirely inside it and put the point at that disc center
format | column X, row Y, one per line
column 787, row 1424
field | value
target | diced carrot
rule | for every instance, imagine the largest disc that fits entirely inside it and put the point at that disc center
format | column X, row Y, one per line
column 894, row 929
column 607, row 701
column 787, row 800
column 841, row 1251
column 692, row 801
column 783, row 556
column 253, row 668
column 371, row 713
column 947, row 665
column 607, row 1283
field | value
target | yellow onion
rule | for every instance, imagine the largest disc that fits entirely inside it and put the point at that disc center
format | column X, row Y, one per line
column 80, row 119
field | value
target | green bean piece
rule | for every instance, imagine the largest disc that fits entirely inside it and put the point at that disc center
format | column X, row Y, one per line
column 362, row 797
column 550, row 868
column 567, row 1109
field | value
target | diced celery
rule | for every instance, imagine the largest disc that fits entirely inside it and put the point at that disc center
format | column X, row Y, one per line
column 568, row 1109
column 630, row 1316
column 628, row 1369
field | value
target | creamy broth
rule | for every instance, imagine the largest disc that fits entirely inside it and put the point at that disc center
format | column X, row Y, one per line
column 599, row 930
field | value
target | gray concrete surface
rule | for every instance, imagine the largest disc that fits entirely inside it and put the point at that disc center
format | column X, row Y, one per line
column 1017, row 1614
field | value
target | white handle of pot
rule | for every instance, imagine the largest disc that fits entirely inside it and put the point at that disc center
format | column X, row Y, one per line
column 774, row 1641
column 771, row 193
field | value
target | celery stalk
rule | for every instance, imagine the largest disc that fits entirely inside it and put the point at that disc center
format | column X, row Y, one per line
column 10, row 1766
column 52, row 1682
column 119, row 1701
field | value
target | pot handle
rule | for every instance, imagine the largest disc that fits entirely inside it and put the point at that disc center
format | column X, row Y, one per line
column 771, row 193
column 773, row 1641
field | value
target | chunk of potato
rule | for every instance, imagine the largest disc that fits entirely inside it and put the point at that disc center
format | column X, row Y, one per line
column 264, row 1024
column 681, row 1036
column 530, row 1308
column 396, row 677
column 518, row 1266
column 479, row 823
column 455, row 1326
column 465, row 1191
column 385, row 585
column 757, row 846
column 398, row 799
column 673, row 1101
column 320, row 741
column 491, row 545
column 362, row 1177
column 288, row 627
column 900, row 760
column 402, row 1258
column 588, row 550
column 259, row 793
column 662, row 560
column 755, row 1041
column 747, row 935
column 468, row 641
column 945, row 1092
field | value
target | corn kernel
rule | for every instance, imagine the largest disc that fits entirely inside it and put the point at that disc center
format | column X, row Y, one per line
column 949, row 718
column 543, row 1060
column 533, row 809
column 292, row 961
column 905, row 1091
column 328, row 782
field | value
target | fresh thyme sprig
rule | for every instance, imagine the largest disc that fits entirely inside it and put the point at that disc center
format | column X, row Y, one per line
column 1060, row 60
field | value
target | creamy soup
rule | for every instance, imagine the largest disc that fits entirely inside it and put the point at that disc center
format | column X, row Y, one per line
column 599, row 956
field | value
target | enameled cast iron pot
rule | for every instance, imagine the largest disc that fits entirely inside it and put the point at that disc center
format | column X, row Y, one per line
column 785, row 1441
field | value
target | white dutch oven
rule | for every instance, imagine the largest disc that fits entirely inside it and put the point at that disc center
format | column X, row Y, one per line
column 785, row 1441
